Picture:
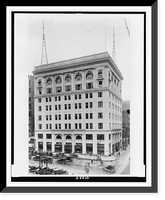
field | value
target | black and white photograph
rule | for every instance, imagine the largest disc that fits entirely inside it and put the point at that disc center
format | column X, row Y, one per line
column 79, row 123
column 80, row 82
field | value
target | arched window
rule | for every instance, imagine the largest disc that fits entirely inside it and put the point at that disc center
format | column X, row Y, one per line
column 58, row 79
column 68, row 137
column 68, row 78
column 78, row 77
column 78, row 137
column 49, row 81
column 58, row 137
column 89, row 75
column 39, row 82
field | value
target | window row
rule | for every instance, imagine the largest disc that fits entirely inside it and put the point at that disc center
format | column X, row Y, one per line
column 79, row 137
column 68, row 97
column 68, row 126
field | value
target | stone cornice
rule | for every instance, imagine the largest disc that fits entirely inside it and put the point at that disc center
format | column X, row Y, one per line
column 78, row 62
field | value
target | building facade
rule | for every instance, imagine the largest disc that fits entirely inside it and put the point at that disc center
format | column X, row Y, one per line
column 126, row 122
column 78, row 106
column 31, row 105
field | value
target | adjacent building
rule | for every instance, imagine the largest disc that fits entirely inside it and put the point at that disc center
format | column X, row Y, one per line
column 126, row 122
column 78, row 105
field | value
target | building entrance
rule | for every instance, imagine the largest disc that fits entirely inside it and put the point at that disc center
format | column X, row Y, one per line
column 78, row 148
column 68, row 148
column 89, row 148
column 58, row 147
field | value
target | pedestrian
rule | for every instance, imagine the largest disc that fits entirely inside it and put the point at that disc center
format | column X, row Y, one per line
column 92, row 161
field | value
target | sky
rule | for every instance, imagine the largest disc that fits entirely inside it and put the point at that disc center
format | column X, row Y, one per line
column 74, row 35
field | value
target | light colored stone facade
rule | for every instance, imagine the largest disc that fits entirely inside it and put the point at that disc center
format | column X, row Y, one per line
column 78, row 105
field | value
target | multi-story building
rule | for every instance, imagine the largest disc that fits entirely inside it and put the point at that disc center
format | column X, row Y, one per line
column 31, row 105
column 78, row 105
column 126, row 122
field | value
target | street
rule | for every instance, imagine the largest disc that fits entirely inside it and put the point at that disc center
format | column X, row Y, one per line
column 77, row 167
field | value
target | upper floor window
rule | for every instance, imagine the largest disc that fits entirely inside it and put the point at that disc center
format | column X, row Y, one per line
column 49, row 90
column 67, row 78
column 78, row 87
column 67, row 88
column 100, row 73
column 39, row 82
column 58, row 89
column 58, row 80
column 49, row 81
column 68, row 137
column 78, row 77
column 89, row 75
column 89, row 85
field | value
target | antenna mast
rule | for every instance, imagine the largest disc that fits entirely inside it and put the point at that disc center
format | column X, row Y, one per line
column 44, row 58
column 114, row 56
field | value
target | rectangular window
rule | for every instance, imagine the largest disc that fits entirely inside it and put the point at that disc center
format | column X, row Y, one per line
column 40, row 136
column 46, row 126
column 78, row 87
column 65, row 116
column 100, row 125
column 39, row 100
column 89, row 85
column 65, row 106
column 86, row 95
column 75, row 105
column 49, row 90
column 91, row 104
column 100, row 94
column 59, row 117
column 50, row 117
column 59, row 107
column 79, row 125
column 46, row 99
column 48, row 136
column 39, row 118
column 69, row 126
column 100, row 73
column 46, row 117
column 79, row 105
column 56, row 126
column 75, row 116
column 55, row 117
column 79, row 116
column 69, row 116
column 91, row 95
column 59, row 98
column 79, row 96
column 75, row 125
column 87, row 126
column 75, row 96
column 55, row 98
column 58, row 89
column 91, row 125
column 109, row 125
column 67, row 88
column 69, row 97
column 39, row 126
column 50, row 126
column 89, row 137
column 100, row 83
column 65, row 98
column 50, row 99
column 100, row 115
column 86, row 116
column 59, row 126
column 86, row 105
column 50, row 107
column 39, row 108
column 55, row 107
column 69, row 106
column 65, row 126
column 91, row 115
column 39, row 91
column 100, row 137
column 100, row 104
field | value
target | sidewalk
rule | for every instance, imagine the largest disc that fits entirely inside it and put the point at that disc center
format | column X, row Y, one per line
column 92, row 157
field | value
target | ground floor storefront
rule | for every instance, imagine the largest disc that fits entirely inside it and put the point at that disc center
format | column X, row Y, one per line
column 92, row 144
